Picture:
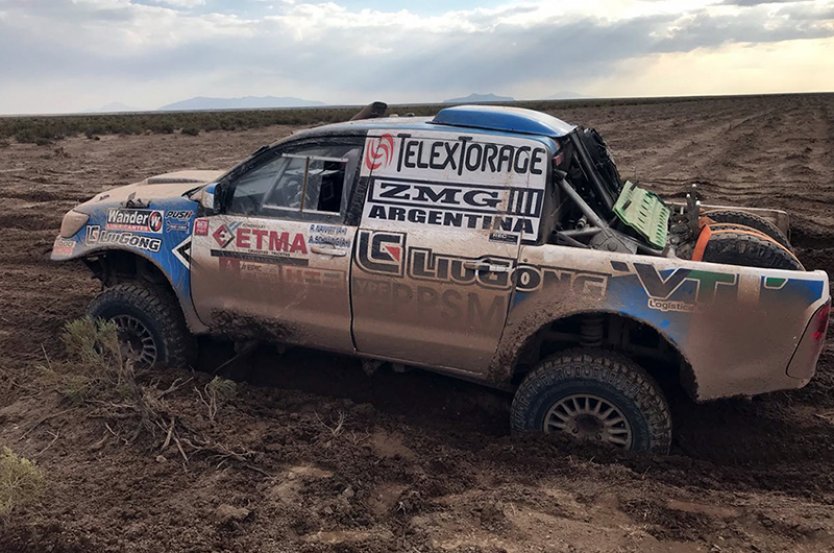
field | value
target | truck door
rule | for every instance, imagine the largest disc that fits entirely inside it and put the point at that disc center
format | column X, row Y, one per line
column 274, row 263
column 442, row 223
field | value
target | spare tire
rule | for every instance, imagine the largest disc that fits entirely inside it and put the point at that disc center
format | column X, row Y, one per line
column 749, row 220
column 749, row 249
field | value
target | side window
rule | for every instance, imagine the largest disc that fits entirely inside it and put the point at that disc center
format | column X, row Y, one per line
column 302, row 183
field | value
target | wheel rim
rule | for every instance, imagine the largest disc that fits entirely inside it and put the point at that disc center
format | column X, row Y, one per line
column 589, row 417
column 136, row 340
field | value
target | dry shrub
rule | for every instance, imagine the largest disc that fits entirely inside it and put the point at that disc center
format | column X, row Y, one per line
column 21, row 480
column 95, row 369
column 97, row 375
column 215, row 394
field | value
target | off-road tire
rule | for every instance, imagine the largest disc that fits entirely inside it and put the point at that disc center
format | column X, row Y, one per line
column 752, row 221
column 749, row 249
column 608, row 375
column 159, row 310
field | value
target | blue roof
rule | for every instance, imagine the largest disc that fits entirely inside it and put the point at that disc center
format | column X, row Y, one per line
column 484, row 118
column 502, row 118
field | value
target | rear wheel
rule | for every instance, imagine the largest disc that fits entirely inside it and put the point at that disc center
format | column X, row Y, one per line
column 752, row 221
column 597, row 396
column 151, row 327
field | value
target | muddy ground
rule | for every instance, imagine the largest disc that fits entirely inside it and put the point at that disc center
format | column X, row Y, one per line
column 420, row 462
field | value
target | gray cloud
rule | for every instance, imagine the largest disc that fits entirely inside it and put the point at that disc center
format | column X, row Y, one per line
column 762, row 2
column 129, row 45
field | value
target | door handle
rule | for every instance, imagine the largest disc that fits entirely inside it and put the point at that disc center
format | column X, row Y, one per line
column 329, row 250
column 484, row 266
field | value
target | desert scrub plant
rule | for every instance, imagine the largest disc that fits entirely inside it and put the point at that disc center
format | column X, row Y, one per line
column 97, row 368
column 97, row 375
column 217, row 393
column 21, row 481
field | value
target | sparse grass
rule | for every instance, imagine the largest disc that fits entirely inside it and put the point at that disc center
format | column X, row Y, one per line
column 45, row 129
column 21, row 481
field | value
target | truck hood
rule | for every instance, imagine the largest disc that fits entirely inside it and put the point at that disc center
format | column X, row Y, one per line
column 166, row 185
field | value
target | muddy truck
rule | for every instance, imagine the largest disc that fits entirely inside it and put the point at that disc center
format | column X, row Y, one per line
column 494, row 244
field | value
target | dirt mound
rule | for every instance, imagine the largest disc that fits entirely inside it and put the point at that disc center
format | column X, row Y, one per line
column 340, row 461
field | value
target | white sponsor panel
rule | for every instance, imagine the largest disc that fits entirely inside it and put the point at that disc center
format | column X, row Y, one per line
column 454, row 181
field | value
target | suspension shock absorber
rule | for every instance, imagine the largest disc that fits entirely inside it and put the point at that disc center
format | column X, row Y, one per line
column 591, row 330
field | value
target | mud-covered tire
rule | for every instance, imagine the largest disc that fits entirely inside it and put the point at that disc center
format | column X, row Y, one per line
column 609, row 376
column 158, row 310
column 749, row 249
column 752, row 221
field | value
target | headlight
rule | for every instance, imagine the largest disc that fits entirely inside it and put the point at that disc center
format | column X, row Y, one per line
column 72, row 223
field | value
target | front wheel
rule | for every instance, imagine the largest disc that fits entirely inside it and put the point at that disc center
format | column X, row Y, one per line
column 152, row 329
column 597, row 396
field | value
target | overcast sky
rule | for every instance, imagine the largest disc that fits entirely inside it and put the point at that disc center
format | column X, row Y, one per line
column 75, row 55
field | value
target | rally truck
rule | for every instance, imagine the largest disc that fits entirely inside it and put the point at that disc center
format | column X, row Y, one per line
column 494, row 244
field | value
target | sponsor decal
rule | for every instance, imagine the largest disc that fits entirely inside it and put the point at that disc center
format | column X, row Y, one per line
column 470, row 156
column 93, row 234
column 135, row 220
column 474, row 207
column 671, row 305
column 179, row 226
column 381, row 252
column 385, row 253
column 242, row 241
column 453, row 155
column 446, row 305
column 63, row 247
column 97, row 236
column 379, row 152
column 225, row 233
column 503, row 237
column 283, row 274
column 680, row 289
column 178, row 215
column 201, row 227
column 773, row 283
column 182, row 252
column 179, row 221
column 329, row 235
column 456, row 182
column 425, row 264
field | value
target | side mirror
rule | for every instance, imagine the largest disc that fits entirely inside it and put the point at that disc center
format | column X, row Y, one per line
column 208, row 198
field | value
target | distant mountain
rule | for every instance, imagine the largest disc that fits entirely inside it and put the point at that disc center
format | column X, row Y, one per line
column 479, row 98
column 112, row 107
column 247, row 102
column 566, row 95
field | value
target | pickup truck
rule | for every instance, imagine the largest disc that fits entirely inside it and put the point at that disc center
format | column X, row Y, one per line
column 494, row 244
